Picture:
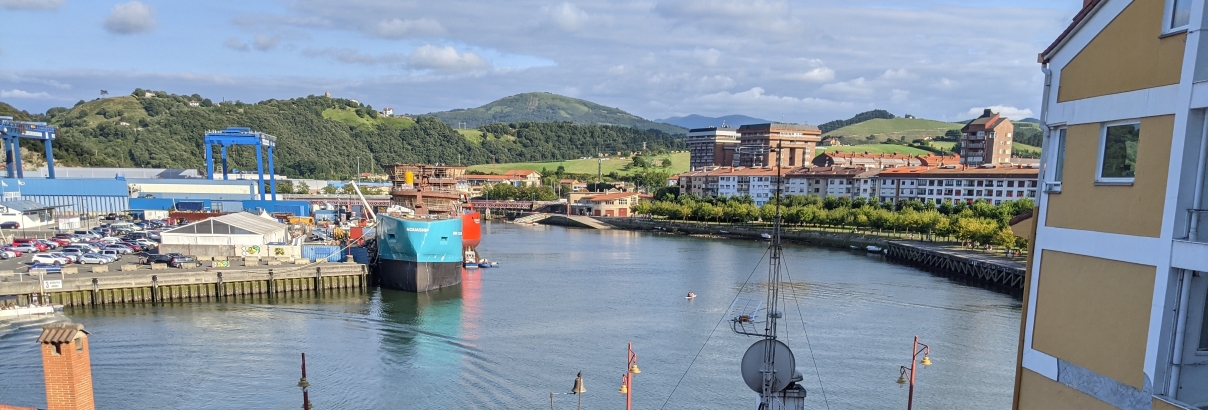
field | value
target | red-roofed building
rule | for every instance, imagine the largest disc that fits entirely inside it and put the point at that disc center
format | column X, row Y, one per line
column 612, row 204
column 987, row 140
column 528, row 176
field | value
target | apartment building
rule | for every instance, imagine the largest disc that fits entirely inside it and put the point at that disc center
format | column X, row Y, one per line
column 866, row 185
column 882, row 160
column 712, row 146
column 822, row 181
column 1115, row 298
column 527, row 177
column 701, row 182
column 987, row 140
column 960, row 184
column 758, row 183
column 797, row 143
column 900, row 184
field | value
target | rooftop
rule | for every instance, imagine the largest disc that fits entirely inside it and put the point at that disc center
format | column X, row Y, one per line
column 60, row 332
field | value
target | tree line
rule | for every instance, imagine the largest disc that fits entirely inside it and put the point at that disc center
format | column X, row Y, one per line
column 980, row 222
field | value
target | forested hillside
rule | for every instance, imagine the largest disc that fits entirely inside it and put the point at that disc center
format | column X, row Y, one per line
column 856, row 119
column 318, row 137
column 547, row 107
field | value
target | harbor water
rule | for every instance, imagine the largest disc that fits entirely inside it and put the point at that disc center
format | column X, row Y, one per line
column 562, row 301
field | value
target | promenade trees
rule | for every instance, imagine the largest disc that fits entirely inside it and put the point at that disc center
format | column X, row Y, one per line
column 981, row 222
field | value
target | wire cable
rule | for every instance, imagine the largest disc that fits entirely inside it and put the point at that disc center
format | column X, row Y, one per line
column 723, row 317
column 800, row 315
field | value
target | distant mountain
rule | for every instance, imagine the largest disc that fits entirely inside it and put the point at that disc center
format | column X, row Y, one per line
column 856, row 119
column 547, row 107
column 1030, row 119
column 700, row 121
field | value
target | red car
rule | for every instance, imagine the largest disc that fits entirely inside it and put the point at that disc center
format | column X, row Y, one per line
column 10, row 249
column 61, row 241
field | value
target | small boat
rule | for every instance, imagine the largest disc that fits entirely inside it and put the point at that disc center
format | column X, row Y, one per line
column 494, row 264
column 765, row 236
column 724, row 232
column 854, row 247
column 471, row 265
column 29, row 311
column 690, row 296
column 874, row 248
column 484, row 265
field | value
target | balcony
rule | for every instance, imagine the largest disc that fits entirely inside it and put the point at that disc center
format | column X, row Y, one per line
column 1190, row 251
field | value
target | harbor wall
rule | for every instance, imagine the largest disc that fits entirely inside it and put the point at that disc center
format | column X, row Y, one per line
column 164, row 285
column 998, row 273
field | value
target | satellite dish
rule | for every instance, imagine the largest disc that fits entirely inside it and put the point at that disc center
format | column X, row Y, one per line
column 784, row 365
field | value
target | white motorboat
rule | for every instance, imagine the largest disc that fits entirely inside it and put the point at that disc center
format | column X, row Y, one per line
column 765, row 235
column 27, row 311
column 874, row 248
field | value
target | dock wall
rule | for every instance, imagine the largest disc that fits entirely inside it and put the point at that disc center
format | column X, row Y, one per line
column 977, row 268
column 163, row 285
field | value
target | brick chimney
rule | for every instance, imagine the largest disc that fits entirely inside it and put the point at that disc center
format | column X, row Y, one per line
column 66, row 366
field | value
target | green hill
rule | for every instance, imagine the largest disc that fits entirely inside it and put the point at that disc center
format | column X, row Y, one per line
column 875, row 149
column 882, row 129
column 547, row 107
column 679, row 165
column 318, row 137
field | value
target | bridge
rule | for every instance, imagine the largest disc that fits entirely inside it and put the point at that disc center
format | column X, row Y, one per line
column 481, row 204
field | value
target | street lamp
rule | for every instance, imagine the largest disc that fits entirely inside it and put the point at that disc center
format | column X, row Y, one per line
column 631, row 369
column 926, row 352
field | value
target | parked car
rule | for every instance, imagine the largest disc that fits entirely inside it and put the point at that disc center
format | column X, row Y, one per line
column 49, row 259
column 62, row 242
column 90, row 258
column 112, row 253
column 133, row 246
column 177, row 261
column 121, row 248
column 49, row 243
column 155, row 258
column 70, row 258
column 67, row 237
column 9, row 225
column 15, row 252
column 28, row 248
column 74, row 251
column 46, row 267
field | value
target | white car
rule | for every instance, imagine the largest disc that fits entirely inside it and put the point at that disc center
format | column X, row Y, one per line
column 7, row 254
column 94, row 258
column 50, row 259
column 25, row 248
column 70, row 258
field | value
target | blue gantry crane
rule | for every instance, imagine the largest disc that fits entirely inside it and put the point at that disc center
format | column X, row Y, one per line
column 242, row 136
column 11, row 133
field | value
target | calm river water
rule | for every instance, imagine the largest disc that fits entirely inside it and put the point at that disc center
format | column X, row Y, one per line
column 563, row 301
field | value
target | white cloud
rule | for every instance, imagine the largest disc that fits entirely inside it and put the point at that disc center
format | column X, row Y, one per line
column 430, row 57
column 23, row 94
column 1005, row 111
column 31, row 4
column 858, row 87
column 567, row 16
column 817, row 75
column 900, row 96
column 235, row 43
column 348, row 55
column 130, row 18
column 265, row 43
column 399, row 29
column 900, row 74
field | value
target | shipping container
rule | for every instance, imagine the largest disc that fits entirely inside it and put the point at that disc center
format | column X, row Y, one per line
column 360, row 255
column 316, row 252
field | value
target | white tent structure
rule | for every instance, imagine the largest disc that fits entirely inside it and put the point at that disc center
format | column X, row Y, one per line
column 236, row 229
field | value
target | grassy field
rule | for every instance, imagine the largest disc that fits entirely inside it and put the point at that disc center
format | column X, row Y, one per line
column 474, row 136
column 679, row 164
column 875, row 149
column 129, row 107
column 883, row 129
column 349, row 116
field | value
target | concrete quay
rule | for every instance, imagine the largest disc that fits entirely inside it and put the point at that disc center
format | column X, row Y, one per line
column 996, row 271
column 199, row 284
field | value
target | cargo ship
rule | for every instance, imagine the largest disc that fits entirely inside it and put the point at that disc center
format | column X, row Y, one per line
column 420, row 237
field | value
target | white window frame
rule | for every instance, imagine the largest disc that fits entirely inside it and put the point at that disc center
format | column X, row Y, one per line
column 1099, row 179
column 1058, row 138
column 1168, row 19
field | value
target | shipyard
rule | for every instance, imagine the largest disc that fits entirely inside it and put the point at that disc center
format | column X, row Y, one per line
column 745, row 204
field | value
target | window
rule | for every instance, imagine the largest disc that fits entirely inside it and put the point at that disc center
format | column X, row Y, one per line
column 1118, row 153
column 1178, row 14
column 1059, row 157
column 1010, row 184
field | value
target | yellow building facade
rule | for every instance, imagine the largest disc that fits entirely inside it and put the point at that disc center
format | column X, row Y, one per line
column 1117, row 291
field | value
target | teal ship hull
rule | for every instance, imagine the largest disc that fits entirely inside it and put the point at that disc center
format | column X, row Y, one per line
column 418, row 255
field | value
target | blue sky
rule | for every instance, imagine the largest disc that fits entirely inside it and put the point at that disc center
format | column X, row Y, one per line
column 801, row 61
